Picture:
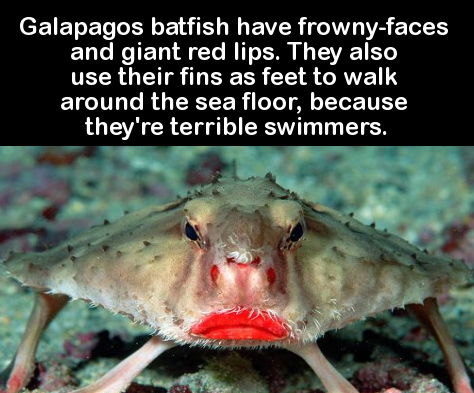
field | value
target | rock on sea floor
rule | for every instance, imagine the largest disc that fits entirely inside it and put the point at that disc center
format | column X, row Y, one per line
column 424, row 194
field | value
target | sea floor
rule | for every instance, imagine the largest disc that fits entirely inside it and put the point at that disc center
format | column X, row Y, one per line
column 424, row 194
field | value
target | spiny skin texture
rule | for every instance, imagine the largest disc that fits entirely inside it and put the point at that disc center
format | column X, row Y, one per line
column 247, row 258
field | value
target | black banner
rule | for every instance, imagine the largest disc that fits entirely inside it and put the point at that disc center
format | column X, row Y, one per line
column 237, row 79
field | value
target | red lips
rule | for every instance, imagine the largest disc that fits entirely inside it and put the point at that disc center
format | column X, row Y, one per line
column 241, row 325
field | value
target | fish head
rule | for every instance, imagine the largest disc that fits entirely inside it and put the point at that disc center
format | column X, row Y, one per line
column 243, row 239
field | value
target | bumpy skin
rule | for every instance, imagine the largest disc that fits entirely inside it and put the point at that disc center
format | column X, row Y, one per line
column 243, row 260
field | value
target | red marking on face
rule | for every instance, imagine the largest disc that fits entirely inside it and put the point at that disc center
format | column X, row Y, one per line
column 271, row 275
column 241, row 325
column 256, row 261
column 214, row 273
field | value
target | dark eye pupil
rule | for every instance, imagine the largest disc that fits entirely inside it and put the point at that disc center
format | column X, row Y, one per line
column 297, row 233
column 191, row 232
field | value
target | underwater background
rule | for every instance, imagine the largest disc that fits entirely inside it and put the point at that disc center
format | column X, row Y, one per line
column 423, row 194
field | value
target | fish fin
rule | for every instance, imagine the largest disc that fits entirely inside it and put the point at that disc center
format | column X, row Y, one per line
column 17, row 375
column 430, row 318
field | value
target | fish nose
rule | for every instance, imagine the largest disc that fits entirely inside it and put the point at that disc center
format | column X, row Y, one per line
column 243, row 277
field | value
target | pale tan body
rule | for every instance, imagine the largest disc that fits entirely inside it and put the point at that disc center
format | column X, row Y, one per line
column 143, row 266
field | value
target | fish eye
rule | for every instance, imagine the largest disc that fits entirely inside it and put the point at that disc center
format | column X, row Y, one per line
column 297, row 233
column 190, row 232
